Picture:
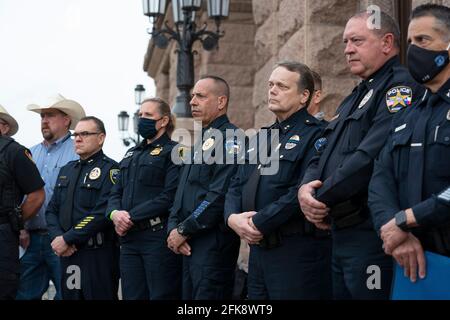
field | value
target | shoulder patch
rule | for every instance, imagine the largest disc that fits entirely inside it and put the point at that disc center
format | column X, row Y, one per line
column 398, row 98
column 128, row 154
column 232, row 146
column 113, row 175
column 320, row 144
column 28, row 154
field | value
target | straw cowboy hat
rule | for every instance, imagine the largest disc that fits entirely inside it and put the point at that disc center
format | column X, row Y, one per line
column 70, row 107
column 13, row 125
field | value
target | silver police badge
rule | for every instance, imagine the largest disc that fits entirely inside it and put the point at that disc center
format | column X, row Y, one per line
column 208, row 144
column 95, row 173
column 366, row 99
column 292, row 142
column 448, row 115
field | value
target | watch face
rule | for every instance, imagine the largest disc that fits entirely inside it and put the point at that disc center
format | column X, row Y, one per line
column 400, row 220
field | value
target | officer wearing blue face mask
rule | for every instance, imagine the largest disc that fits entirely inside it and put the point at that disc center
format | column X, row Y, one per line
column 409, row 194
column 139, row 208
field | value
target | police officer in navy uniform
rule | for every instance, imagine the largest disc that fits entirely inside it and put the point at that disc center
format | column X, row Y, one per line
column 409, row 194
column 81, row 234
column 289, row 257
column 196, row 227
column 139, row 207
column 335, row 185
column 18, row 177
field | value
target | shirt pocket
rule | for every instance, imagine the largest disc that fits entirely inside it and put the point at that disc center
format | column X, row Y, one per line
column 89, row 193
column 201, row 174
column 439, row 151
column 290, row 164
column 357, row 128
column 400, row 147
column 62, row 185
column 152, row 173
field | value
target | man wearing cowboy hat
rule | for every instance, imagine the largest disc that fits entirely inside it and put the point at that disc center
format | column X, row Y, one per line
column 40, row 263
column 18, row 177
column 8, row 125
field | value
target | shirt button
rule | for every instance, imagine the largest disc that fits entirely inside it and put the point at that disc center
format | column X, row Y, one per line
column 447, row 139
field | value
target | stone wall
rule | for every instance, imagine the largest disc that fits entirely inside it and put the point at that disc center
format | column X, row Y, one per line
column 259, row 33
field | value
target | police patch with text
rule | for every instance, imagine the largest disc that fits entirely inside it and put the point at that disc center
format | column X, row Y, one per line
column 398, row 98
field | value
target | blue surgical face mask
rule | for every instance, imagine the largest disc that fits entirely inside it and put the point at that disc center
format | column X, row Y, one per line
column 424, row 65
column 147, row 128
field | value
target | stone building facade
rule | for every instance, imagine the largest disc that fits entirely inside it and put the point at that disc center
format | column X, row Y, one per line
column 258, row 33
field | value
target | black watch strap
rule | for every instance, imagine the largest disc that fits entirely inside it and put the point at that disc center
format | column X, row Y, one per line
column 401, row 221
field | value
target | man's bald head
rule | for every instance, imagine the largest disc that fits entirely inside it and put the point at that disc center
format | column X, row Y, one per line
column 221, row 87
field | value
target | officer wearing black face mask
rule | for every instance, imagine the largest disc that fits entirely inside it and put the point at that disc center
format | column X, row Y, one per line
column 335, row 186
column 139, row 207
column 409, row 192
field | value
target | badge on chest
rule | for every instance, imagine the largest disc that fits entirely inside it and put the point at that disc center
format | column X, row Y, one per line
column 292, row 142
column 95, row 173
column 156, row 151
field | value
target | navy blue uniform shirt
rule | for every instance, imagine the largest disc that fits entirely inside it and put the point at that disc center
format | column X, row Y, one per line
column 200, row 195
column 398, row 182
column 355, row 136
column 93, row 179
column 275, row 198
column 147, row 181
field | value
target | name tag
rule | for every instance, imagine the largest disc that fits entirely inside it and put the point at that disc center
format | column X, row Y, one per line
column 400, row 128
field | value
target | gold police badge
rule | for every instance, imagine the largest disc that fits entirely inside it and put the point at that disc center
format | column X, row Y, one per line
column 208, row 144
column 156, row 151
column 398, row 98
column 95, row 173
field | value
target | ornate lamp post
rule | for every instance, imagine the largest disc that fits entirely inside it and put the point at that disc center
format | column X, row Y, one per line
column 185, row 33
column 124, row 118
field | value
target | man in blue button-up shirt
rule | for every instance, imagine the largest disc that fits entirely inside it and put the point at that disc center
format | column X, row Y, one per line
column 40, row 264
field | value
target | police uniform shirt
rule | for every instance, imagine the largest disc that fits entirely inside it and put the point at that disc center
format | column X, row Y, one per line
column 21, row 168
column 147, row 181
column 93, row 179
column 276, row 194
column 201, row 192
column 394, row 184
column 357, row 133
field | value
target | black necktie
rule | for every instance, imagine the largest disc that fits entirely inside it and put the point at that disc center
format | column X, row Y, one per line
column 417, row 151
column 251, row 187
column 65, row 215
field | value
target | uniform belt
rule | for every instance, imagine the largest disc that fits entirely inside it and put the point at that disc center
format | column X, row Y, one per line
column 295, row 227
column 349, row 213
column 155, row 224
column 99, row 240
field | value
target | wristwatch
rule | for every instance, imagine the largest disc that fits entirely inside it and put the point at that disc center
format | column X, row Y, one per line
column 400, row 220
column 181, row 230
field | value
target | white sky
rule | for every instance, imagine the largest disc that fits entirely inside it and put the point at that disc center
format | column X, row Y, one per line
column 91, row 51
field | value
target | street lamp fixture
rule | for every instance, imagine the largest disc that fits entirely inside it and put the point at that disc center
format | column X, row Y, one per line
column 185, row 33
column 124, row 119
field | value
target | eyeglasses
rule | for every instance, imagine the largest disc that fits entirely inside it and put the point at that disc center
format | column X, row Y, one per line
column 83, row 134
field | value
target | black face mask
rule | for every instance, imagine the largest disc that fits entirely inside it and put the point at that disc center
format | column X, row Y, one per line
column 147, row 128
column 424, row 65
